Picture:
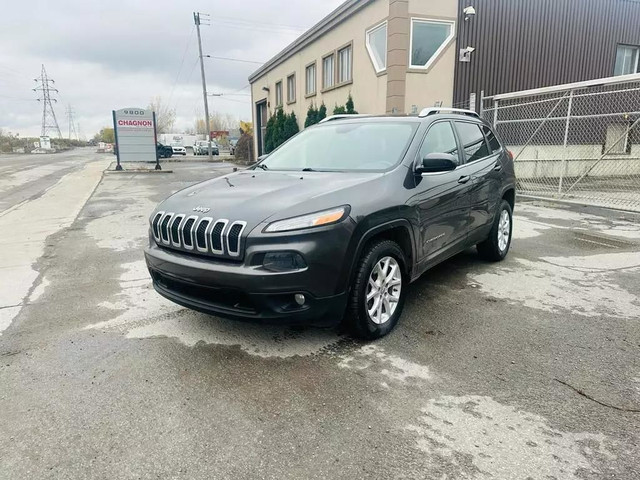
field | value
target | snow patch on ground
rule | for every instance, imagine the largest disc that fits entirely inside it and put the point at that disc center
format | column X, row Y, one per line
column 502, row 441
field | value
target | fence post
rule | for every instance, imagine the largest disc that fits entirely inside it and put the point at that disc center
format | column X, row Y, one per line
column 563, row 164
column 482, row 103
column 495, row 113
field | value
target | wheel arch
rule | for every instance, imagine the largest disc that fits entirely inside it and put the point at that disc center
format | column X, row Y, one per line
column 399, row 231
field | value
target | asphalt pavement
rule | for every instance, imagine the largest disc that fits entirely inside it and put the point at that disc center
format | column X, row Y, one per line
column 529, row 368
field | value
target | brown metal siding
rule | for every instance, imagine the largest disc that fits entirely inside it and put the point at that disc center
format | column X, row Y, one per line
column 524, row 44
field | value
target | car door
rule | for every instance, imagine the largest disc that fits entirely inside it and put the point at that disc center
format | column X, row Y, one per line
column 442, row 199
column 483, row 165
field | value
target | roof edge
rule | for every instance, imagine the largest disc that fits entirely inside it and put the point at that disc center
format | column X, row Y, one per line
column 328, row 23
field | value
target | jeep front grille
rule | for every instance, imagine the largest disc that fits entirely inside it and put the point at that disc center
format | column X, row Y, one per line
column 202, row 234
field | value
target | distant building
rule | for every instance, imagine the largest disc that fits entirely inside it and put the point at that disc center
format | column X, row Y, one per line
column 398, row 56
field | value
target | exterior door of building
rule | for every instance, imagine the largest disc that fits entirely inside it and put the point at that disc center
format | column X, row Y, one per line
column 261, row 127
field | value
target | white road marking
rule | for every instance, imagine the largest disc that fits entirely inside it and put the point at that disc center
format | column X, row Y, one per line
column 26, row 229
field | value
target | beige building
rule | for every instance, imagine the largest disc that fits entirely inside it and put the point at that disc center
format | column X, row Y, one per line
column 393, row 56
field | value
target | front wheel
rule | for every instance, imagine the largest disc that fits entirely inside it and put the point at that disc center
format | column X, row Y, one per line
column 379, row 290
column 497, row 244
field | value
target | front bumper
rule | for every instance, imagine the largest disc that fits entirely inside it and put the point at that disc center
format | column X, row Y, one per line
column 246, row 291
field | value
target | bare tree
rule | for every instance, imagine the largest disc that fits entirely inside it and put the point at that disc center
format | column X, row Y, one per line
column 218, row 122
column 165, row 116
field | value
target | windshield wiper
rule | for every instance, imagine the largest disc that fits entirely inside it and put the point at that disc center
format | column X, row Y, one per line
column 263, row 167
column 308, row 169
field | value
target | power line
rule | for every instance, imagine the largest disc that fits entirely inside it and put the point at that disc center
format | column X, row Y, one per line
column 49, row 120
column 234, row 59
column 257, row 22
column 184, row 53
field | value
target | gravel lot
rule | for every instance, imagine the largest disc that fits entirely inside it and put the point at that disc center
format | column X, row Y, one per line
column 525, row 369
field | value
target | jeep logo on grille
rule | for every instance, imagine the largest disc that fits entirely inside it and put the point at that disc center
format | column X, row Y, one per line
column 201, row 209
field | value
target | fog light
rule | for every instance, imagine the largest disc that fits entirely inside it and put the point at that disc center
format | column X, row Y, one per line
column 283, row 261
column 299, row 298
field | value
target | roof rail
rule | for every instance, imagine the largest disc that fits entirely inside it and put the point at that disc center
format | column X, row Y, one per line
column 433, row 110
column 343, row 115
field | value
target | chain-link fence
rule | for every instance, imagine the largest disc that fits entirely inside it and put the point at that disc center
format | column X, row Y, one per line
column 577, row 142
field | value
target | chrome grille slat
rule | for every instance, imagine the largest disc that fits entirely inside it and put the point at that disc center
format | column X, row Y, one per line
column 234, row 237
column 164, row 227
column 202, row 243
column 187, row 232
column 155, row 226
column 217, row 236
column 174, row 230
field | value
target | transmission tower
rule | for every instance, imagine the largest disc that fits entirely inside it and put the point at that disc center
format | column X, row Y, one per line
column 49, row 121
column 72, row 126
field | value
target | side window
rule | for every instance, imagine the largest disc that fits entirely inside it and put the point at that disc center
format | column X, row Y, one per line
column 439, row 139
column 472, row 140
column 494, row 144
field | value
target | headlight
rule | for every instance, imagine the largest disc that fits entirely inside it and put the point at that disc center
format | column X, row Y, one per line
column 317, row 219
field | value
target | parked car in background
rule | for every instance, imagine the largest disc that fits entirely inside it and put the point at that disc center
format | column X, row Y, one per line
column 178, row 149
column 164, row 151
column 201, row 147
column 337, row 221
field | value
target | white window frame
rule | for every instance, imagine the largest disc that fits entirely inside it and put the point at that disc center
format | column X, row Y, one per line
column 332, row 55
column 279, row 100
column 386, row 46
column 339, row 64
column 291, row 99
column 307, row 92
column 437, row 53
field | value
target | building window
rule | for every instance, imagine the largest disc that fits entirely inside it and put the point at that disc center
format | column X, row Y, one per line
column 626, row 60
column 344, row 64
column 279, row 94
column 428, row 39
column 310, row 79
column 377, row 46
column 291, row 88
column 328, row 71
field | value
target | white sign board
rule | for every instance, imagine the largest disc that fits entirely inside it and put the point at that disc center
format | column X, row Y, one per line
column 135, row 134
column 45, row 143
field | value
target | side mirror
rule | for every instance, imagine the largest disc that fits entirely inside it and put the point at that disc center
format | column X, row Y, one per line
column 438, row 162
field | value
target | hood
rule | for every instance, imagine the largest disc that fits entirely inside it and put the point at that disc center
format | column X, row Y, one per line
column 254, row 196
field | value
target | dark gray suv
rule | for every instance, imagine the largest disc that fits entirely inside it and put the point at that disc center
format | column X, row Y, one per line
column 337, row 222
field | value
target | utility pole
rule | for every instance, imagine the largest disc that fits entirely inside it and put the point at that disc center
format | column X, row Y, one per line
column 72, row 125
column 196, row 19
column 49, row 121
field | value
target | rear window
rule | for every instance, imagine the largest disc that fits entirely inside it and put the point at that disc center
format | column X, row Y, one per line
column 472, row 140
column 494, row 144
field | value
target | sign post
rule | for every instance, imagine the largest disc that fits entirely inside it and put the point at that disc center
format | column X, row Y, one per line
column 135, row 136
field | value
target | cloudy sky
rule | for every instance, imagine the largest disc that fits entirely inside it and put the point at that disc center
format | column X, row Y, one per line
column 122, row 53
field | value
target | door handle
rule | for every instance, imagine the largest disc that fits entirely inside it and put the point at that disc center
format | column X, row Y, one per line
column 464, row 179
column 498, row 167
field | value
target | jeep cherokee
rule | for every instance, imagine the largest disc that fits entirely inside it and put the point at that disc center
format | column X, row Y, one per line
column 337, row 221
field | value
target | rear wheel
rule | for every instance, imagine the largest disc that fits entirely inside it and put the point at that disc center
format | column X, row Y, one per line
column 378, row 292
column 497, row 244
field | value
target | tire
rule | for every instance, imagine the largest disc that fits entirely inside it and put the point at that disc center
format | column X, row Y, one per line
column 496, row 246
column 359, row 319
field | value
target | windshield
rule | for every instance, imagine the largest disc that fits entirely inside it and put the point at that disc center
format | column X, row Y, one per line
column 344, row 146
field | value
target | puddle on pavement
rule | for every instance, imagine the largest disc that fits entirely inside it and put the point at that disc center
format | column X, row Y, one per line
column 500, row 441
column 584, row 285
